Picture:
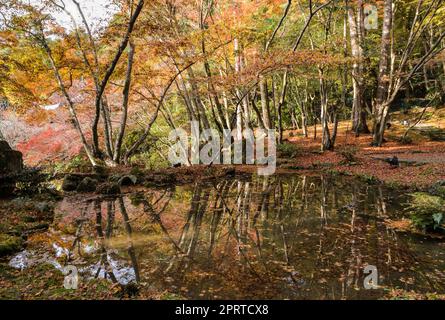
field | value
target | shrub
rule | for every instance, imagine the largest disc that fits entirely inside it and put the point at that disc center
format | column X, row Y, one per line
column 78, row 163
column 427, row 212
column 349, row 154
column 406, row 140
column 132, row 136
column 438, row 189
column 149, row 160
column 287, row 150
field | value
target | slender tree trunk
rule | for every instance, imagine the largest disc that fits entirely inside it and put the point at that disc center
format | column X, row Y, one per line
column 382, row 107
column 110, row 70
column 326, row 142
column 196, row 99
column 265, row 102
column 71, row 107
column 257, row 111
column 126, row 97
column 356, row 34
column 280, row 107
column 304, row 121
column 304, row 110
column 239, row 112
column 94, row 71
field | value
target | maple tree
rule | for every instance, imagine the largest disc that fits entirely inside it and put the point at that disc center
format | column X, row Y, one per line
column 225, row 64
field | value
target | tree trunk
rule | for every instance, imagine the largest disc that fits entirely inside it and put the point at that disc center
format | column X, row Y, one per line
column 110, row 71
column 326, row 142
column 126, row 96
column 304, row 121
column 265, row 102
column 239, row 112
column 196, row 99
column 381, row 107
column 280, row 107
column 356, row 34
column 65, row 93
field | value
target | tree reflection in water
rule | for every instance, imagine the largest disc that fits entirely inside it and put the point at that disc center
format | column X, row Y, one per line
column 253, row 237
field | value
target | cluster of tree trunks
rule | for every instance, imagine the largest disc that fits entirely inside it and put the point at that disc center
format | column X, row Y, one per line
column 262, row 102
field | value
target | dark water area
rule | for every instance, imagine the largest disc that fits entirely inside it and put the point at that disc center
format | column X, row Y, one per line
column 248, row 237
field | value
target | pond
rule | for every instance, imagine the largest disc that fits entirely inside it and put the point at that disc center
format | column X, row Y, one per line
column 244, row 237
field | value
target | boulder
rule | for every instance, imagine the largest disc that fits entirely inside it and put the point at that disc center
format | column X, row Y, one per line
column 108, row 188
column 4, row 146
column 123, row 180
column 230, row 171
column 11, row 161
column 6, row 189
column 9, row 244
column 128, row 180
column 87, row 185
column 71, row 182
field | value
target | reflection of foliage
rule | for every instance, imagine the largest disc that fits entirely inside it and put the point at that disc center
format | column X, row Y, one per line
column 225, row 240
column 15, row 285
column 427, row 212
column 137, row 199
column 400, row 294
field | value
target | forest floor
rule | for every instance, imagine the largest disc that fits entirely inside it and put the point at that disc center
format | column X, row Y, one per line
column 422, row 162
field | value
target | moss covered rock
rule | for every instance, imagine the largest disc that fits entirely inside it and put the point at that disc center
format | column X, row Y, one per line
column 10, row 160
column 9, row 244
column 108, row 188
column 87, row 185
column 71, row 182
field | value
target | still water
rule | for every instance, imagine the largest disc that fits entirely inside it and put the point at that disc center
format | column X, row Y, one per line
column 248, row 237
